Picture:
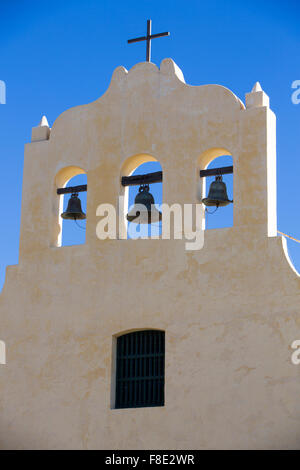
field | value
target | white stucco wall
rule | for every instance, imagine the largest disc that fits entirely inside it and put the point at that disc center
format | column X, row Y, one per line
column 230, row 310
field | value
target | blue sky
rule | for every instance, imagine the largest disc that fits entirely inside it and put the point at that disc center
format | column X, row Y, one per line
column 59, row 54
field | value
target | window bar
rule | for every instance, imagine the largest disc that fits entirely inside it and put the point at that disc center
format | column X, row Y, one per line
column 150, row 360
column 129, row 370
column 144, row 368
column 154, row 369
column 136, row 372
column 126, row 371
column 140, row 369
column 160, row 358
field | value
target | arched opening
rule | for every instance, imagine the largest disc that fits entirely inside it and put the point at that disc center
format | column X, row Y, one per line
column 216, row 217
column 223, row 216
column 70, row 231
column 140, row 165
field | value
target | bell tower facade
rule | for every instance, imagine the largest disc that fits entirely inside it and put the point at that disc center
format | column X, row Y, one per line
column 216, row 323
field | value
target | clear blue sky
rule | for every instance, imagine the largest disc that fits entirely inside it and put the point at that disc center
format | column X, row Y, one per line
column 59, row 54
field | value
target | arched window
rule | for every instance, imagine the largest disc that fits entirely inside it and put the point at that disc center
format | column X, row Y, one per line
column 140, row 369
column 2, row 353
column 223, row 216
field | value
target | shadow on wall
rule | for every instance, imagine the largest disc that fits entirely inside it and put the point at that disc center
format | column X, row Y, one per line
column 2, row 353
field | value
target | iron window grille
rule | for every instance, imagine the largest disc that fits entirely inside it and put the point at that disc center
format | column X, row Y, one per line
column 140, row 374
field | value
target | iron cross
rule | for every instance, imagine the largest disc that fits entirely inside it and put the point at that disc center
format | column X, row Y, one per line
column 148, row 39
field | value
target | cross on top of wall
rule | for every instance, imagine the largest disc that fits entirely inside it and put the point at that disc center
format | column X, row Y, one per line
column 148, row 39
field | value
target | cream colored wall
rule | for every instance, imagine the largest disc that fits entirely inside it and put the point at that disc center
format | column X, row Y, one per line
column 230, row 310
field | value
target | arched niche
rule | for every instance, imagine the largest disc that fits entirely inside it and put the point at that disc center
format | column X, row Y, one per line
column 204, row 160
column 61, row 180
column 130, row 165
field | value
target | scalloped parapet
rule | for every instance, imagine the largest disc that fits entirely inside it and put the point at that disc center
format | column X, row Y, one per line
column 161, row 82
column 170, row 75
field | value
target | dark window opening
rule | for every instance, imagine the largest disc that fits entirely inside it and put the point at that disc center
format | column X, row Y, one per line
column 140, row 372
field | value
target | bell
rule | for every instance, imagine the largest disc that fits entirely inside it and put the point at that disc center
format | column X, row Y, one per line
column 74, row 210
column 144, row 210
column 217, row 194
